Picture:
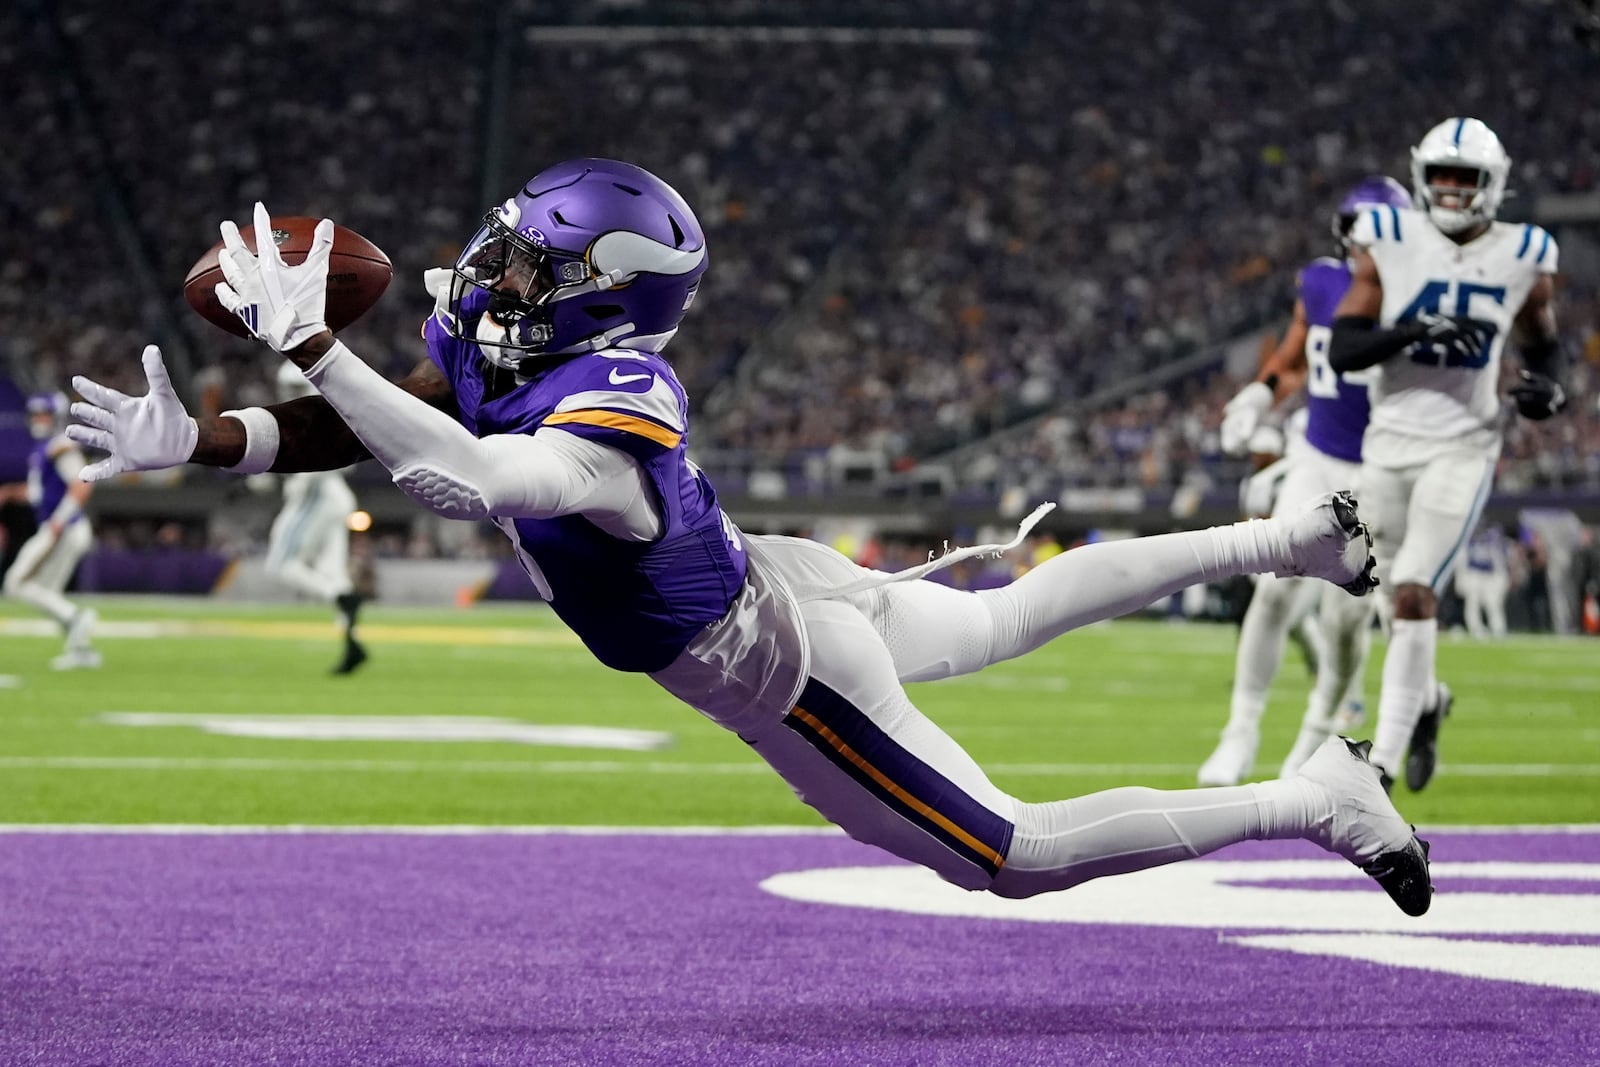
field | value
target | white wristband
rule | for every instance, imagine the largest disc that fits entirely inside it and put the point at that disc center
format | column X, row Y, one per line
column 260, row 440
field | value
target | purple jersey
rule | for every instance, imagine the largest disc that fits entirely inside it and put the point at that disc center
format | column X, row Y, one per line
column 636, row 605
column 45, row 484
column 1336, row 404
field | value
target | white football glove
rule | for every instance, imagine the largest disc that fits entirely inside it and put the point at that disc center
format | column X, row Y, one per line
column 1241, row 415
column 282, row 305
column 142, row 433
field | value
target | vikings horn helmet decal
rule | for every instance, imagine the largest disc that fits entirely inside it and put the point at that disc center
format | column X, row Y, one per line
column 590, row 254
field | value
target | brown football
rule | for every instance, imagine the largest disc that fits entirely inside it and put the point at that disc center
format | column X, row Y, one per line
column 358, row 273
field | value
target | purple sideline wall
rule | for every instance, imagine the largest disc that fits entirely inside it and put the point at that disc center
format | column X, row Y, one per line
column 151, row 571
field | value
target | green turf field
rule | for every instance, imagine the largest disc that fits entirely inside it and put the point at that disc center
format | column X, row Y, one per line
column 1133, row 702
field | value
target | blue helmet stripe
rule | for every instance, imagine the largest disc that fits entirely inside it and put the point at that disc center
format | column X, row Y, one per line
column 1460, row 125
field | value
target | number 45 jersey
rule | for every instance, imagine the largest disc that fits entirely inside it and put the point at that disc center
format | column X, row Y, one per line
column 1422, row 402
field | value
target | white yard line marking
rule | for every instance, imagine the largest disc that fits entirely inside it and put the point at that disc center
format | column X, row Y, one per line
column 419, row 728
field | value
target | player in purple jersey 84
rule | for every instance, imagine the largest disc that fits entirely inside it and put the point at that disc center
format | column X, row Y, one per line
column 1327, row 459
column 546, row 405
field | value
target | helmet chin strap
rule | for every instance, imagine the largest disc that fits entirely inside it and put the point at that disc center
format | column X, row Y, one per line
column 598, row 341
column 595, row 284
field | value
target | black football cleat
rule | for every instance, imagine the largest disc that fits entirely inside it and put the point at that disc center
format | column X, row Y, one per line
column 1404, row 876
column 1365, row 828
column 1422, row 756
column 354, row 656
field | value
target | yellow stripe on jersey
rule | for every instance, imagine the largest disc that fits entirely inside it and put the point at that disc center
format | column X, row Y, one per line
column 844, row 749
column 616, row 420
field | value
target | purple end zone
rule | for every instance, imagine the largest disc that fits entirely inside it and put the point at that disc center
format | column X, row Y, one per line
column 323, row 949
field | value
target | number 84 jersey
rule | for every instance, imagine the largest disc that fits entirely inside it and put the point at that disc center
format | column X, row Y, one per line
column 1419, row 397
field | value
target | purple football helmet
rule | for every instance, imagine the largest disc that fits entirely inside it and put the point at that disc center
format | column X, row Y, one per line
column 1375, row 189
column 47, row 415
column 590, row 254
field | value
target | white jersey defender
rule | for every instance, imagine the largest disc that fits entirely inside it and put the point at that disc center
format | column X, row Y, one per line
column 1434, row 295
column 1421, row 404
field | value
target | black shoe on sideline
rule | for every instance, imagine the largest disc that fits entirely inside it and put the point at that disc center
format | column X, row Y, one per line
column 354, row 656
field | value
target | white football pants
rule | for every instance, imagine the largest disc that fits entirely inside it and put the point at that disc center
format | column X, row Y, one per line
column 44, row 566
column 309, row 548
column 1421, row 516
column 855, row 747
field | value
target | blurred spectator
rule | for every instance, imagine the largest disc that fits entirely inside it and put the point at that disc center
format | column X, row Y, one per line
column 919, row 239
column 1482, row 580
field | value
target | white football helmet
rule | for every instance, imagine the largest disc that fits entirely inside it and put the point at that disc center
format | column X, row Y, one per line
column 1460, row 144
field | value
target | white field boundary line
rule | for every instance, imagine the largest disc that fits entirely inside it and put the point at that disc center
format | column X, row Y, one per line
column 20, row 829
column 247, row 763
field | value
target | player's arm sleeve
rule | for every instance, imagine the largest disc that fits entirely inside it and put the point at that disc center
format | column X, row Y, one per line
column 438, row 463
column 1534, row 330
column 1355, row 341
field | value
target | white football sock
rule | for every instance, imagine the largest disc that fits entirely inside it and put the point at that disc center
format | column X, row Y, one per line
column 1347, row 640
column 934, row 631
column 1063, row 843
column 1408, row 686
column 1113, row 578
column 1261, row 639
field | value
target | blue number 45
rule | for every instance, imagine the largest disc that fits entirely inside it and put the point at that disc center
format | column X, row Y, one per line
column 1429, row 301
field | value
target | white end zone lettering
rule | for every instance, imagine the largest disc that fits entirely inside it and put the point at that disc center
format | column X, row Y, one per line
column 1356, row 923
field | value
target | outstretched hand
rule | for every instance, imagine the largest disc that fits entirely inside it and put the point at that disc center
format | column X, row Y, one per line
column 282, row 305
column 141, row 433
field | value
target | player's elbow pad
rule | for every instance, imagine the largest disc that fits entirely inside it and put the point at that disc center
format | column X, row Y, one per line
column 443, row 491
column 1357, row 343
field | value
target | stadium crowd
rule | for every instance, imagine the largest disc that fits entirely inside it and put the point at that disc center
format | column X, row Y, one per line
column 918, row 240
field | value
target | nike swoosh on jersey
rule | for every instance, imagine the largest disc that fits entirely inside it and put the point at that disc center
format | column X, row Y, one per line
column 618, row 378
